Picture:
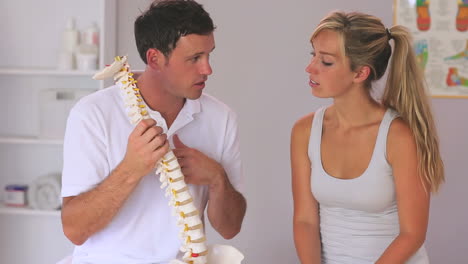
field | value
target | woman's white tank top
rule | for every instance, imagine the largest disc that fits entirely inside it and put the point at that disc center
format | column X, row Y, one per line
column 359, row 216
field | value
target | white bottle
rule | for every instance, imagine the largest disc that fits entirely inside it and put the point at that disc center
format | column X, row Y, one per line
column 70, row 41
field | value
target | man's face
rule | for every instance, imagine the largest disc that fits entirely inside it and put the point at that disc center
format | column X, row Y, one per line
column 186, row 70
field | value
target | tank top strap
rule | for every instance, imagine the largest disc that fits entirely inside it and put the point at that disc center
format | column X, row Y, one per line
column 316, row 135
column 381, row 143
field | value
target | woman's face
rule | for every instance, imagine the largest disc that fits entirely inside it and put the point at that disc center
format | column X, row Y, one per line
column 329, row 71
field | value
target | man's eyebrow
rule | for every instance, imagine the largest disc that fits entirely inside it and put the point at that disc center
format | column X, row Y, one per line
column 201, row 52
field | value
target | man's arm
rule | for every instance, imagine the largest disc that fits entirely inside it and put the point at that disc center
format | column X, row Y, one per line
column 87, row 213
column 226, row 206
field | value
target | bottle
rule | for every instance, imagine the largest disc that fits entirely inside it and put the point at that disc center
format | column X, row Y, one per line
column 91, row 35
column 70, row 41
column 70, row 36
column 88, row 51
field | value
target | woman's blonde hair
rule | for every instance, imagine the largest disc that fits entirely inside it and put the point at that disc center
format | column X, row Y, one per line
column 365, row 41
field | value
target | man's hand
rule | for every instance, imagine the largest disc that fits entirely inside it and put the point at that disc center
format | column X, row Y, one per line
column 197, row 167
column 89, row 212
column 226, row 207
column 146, row 145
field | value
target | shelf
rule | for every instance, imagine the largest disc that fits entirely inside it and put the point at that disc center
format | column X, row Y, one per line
column 30, row 140
column 46, row 72
column 4, row 210
column 28, row 70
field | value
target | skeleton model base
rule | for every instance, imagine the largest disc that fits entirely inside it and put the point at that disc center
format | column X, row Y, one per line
column 191, row 233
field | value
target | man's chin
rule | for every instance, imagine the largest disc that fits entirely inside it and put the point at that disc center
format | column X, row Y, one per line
column 195, row 95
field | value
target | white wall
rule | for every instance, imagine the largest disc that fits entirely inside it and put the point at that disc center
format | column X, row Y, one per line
column 262, row 48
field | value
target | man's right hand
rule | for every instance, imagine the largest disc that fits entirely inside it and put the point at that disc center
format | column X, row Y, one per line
column 147, row 144
column 87, row 213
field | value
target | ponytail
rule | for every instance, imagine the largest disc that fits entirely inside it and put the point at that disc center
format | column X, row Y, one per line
column 405, row 91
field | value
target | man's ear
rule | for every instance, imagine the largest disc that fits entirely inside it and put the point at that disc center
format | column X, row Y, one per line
column 362, row 74
column 155, row 58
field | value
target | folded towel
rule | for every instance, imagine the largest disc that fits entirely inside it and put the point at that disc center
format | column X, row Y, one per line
column 44, row 192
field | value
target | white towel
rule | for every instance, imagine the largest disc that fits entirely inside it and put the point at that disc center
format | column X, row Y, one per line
column 44, row 192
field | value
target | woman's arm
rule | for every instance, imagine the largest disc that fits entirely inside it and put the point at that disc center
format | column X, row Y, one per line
column 412, row 198
column 306, row 217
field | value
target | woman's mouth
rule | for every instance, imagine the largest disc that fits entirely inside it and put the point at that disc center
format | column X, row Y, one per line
column 313, row 83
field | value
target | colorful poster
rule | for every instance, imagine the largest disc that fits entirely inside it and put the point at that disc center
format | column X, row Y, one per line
column 440, row 32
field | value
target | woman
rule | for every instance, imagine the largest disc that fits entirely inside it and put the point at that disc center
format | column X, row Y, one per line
column 363, row 170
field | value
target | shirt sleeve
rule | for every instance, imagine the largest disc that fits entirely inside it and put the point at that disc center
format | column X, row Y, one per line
column 85, row 162
column 231, row 157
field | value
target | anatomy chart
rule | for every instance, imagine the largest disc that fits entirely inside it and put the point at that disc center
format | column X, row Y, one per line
column 440, row 31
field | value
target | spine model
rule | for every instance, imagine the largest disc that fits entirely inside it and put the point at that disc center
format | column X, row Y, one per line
column 168, row 168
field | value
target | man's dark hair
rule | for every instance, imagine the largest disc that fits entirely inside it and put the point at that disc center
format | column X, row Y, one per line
column 162, row 25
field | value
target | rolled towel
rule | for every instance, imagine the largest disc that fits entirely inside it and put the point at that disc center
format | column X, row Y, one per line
column 44, row 192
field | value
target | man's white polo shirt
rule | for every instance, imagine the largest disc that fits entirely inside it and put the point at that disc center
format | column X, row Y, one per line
column 144, row 230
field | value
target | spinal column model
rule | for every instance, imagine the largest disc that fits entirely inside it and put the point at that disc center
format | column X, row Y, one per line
column 171, row 177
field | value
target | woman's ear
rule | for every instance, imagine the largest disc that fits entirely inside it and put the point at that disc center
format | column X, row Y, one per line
column 362, row 74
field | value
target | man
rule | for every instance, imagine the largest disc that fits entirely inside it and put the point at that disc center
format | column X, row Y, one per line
column 113, row 207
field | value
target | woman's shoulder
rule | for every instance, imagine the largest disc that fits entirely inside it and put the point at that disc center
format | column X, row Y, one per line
column 399, row 130
column 304, row 122
column 400, row 139
column 301, row 129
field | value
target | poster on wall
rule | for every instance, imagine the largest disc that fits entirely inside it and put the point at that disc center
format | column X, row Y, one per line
column 440, row 32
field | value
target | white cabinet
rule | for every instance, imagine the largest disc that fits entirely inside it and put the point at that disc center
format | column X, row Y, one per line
column 31, row 40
